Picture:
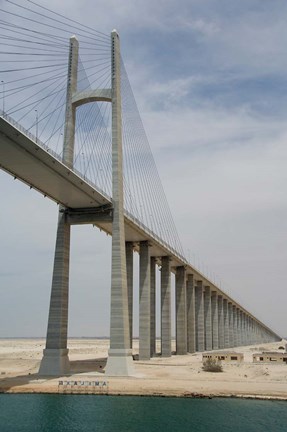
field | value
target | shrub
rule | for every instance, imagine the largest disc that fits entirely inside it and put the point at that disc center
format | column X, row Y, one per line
column 211, row 365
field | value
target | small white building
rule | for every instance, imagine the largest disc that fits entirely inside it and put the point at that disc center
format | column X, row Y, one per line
column 270, row 356
column 225, row 356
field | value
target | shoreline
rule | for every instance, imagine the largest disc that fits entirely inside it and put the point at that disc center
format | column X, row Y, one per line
column 150, row 394
column 179, row 376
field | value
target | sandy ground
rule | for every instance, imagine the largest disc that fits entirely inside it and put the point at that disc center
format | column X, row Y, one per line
column 175, row 376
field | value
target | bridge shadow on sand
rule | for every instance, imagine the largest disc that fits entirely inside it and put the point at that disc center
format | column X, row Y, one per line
column 88, row 366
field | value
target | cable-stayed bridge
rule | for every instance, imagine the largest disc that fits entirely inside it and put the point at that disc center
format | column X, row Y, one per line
column 70, row 128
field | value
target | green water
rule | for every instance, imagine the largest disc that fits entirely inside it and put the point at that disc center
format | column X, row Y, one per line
column 53, row 413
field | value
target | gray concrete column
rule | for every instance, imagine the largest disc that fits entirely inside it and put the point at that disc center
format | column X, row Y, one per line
column 230, row 325
column 120, row 355
column 181, row 325
column 207, row 319
column 243, row 326
column 252, row 339
column 190, row 295
column 144, row 299
column 130, row 284
column 165, row 307
column 226, row 323
column 238, row 327
column 257, row 339
column 234, row 326
column 55, row 359
column 152, row 306
column 199, row 317
column 257, row 333
column 220, row 322
column 248, row 330
column 214, row 318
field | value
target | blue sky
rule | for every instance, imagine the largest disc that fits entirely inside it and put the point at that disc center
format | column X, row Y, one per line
column 210, row 81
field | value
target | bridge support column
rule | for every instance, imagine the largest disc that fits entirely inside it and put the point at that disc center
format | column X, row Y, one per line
column 243, row 329
column 165, row 307
column 55, row 360
column 226, row 323
column 144, row 298
column 248, row 341
column 152, row 306
column 190, row 299
column 220, row 322
column 207, row 319
column 130, row 285
column 199, row 317
column 230, row 325
column 238, row 312
column 234, row 326
column 181, row 329
column 214, row 318
column 120, row 355
column 249, row 331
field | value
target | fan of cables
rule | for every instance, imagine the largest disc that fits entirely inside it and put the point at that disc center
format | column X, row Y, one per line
column 34, row 63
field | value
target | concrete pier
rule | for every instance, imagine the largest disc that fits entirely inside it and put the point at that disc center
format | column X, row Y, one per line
column 207, row 319
column 234, row 325
column 181, row 324
column 243, row 329
column 165, row 307
column 55, row 359
column 214, row 318
column 144, row 299
column 120, row 355
column 130, row 284
column 220, row 322
column 226, row 323
column 190, row 299
column 199, row 317
column 238, row 312
column 152, row 306
column 230, row 325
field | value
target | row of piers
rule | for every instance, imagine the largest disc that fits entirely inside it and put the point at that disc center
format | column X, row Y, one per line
column 205, row 318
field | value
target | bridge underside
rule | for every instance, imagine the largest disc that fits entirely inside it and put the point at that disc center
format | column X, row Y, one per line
column 206, row 318
column 41, row 170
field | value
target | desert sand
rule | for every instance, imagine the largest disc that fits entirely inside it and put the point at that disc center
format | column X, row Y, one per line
column 175, row 376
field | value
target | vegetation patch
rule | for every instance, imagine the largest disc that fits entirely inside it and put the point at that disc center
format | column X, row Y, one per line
column 211, row 365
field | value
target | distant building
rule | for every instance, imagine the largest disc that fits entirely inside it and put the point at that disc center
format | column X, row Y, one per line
column 225, row 356
column 270, row 356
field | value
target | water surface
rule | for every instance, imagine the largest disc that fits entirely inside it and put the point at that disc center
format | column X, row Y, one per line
column 53, row 413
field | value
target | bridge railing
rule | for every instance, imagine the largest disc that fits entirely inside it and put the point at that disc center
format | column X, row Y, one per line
column 51, row 151
column 156, row 237
column 129, row 215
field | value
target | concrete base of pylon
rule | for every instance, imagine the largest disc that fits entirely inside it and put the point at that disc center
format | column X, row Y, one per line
column 120, row 363
column 55, row 362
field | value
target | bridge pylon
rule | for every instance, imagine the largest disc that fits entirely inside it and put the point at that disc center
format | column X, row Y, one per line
column 55, row 359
